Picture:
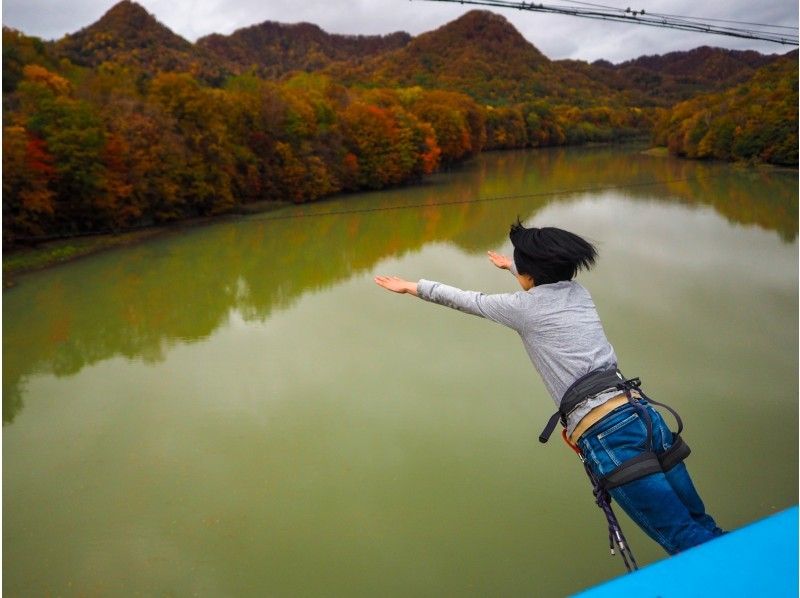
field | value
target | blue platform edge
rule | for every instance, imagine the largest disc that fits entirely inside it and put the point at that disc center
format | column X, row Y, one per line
column 760, row 559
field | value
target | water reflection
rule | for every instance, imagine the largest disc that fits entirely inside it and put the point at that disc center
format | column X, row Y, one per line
column 137, row 302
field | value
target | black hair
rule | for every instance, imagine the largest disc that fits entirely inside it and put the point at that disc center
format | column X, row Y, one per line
column 550, row 254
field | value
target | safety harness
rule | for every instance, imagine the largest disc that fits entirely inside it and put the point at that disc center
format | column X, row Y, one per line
column 645, row 463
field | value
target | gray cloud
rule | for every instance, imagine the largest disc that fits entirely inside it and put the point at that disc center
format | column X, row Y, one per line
column 556, row 36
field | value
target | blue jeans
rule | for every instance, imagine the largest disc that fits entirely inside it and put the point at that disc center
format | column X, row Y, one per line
column 665, row 505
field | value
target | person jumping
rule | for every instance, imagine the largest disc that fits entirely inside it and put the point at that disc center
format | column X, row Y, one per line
column 625, row 443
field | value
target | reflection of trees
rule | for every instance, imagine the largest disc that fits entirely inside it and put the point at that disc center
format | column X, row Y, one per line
column 180, row 288
column 751, row 197
column 763, row 197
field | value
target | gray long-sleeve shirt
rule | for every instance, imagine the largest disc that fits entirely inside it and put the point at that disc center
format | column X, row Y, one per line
column 558, row 324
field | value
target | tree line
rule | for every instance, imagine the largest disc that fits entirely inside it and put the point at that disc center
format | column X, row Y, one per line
column 116, row 146
column 108, row 149
column 755, row 120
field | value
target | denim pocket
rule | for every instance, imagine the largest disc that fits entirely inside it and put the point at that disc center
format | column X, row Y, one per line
column 617, row 426
column 621, row 442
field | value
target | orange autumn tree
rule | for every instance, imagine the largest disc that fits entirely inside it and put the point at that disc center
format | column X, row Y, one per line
column 387, row 145
column 74, row 136
column 756, row 120
column 204, row 178
column 28, row 172
column 458, row 121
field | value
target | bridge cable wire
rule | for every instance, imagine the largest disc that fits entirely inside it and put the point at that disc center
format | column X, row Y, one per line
column 602, row 12
column 262, row 217
column 556, row 193
column 685, row 17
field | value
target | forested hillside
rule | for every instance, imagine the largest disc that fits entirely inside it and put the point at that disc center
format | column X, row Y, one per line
column 126, row 124
column 272, row 50
column 128, row 35
column 755, row 120
column 676, row 76
column 483, row 55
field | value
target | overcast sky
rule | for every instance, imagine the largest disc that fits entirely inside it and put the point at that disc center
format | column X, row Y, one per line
column 556, row 36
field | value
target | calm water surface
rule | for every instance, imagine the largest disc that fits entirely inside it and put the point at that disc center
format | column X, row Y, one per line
column 238, row 410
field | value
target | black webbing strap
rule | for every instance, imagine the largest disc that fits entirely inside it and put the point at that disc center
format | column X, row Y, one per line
column 643, row 464
column 584, row 387
column 674, row 454
column 646, row 463
column 548, row 429
column 668, row 408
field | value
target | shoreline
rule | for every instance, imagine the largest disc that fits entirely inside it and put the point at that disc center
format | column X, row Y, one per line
column 21, row 261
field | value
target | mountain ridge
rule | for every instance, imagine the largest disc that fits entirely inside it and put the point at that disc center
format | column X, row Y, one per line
column 275, row 49
column 480, row 53
column 127, row 33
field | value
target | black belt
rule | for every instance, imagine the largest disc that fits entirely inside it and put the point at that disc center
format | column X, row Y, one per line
column 582, row 389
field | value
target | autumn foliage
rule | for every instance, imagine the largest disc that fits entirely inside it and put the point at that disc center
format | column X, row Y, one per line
column 108, row 148
column 98, row 156
column 124, row 124
column 756, row 120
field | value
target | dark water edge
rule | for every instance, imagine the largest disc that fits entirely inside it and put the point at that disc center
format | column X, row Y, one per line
column 22, row 260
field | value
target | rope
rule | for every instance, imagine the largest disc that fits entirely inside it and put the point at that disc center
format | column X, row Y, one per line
column 489, row 199
column 454, row 202
column 603, row 500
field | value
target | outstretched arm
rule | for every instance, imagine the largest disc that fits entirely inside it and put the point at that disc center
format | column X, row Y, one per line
column 397, row 285
column 502, row 261
column 498, row 308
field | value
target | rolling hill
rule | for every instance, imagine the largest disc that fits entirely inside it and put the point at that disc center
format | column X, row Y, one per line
column 275, row 49
column 480, row 54
column 127, row 34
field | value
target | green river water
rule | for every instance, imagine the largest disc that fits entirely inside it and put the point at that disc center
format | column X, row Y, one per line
column 238, row 410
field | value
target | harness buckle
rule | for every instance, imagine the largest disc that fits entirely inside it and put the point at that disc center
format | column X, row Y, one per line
column 630, row 384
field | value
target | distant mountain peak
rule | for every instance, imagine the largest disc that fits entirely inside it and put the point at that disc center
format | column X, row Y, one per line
column 487, row 27
column 128, row 9
column 480, row 53
column 129, row 20
column 481, row 17
column 480, row 35
column 130, row 35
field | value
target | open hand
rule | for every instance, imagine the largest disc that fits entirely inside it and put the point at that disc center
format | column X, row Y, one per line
column 396, row 285
column 501, row 261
